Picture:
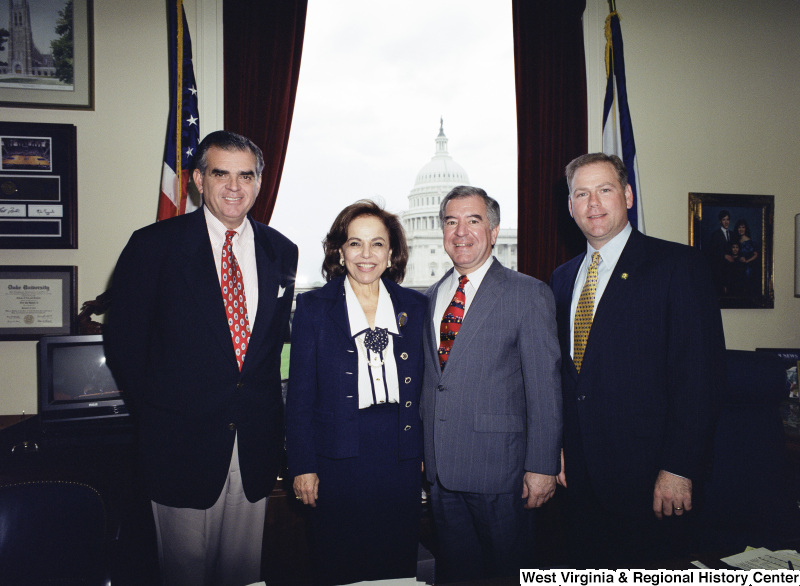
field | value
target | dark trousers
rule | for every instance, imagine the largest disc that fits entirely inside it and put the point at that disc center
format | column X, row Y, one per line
column 480, row 535
column 613, row 536
column 613, row 539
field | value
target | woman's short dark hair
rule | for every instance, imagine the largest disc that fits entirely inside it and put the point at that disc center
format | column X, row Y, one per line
column 744, row 223
column 337, row 236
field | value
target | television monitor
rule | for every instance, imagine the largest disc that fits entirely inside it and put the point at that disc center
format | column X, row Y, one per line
column 75, row 384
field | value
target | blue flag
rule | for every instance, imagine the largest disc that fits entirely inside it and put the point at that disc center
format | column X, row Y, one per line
column 183, row 127
column 617, row 126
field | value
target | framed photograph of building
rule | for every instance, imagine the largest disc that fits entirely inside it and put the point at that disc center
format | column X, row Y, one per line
column 38, row 186
column 736, row 234
column 47, row 58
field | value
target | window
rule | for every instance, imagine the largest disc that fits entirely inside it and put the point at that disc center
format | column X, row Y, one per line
column 365, row 121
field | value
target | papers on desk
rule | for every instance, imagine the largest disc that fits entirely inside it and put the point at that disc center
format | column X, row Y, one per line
column 764, row 559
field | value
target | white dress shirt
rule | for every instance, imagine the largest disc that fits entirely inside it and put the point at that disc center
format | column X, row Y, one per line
column 244, row 249
column 448, row 288
column 377, row 372
column 609, row 255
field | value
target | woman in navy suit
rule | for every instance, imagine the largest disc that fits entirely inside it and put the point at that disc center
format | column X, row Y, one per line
column 353, row 432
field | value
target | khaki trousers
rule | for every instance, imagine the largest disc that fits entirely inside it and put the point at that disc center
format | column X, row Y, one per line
column 216, row 546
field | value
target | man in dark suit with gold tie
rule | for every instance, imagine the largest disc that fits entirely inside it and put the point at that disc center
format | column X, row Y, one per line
column 642, row 352
column 199, row 312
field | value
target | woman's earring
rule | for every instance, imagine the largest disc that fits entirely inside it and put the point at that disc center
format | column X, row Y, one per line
column 388, row 264
column 341, row 260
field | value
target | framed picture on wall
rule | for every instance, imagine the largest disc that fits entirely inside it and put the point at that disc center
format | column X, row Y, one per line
column 37, row 301
column 47, row 59
column 736, row 234
column 38, row 186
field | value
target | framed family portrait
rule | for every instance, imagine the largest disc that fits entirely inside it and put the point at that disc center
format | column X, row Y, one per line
column 38, row 186
column 37, row 301
column 736, row 234
column 47, row 57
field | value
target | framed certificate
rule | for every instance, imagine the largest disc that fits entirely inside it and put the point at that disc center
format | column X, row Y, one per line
column 37, row 301
column 38, row 186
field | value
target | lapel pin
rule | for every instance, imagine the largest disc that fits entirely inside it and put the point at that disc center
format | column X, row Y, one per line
column 402, row 318
column 624, row 276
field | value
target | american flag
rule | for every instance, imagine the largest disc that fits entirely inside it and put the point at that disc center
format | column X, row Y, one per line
column 617, row 126
column 183, row 128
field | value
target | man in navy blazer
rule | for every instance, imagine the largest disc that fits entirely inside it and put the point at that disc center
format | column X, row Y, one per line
column 492, row 413
column 210, row 434
column 639, row 410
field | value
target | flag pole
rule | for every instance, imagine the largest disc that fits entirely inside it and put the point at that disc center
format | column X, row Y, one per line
column 612, row 6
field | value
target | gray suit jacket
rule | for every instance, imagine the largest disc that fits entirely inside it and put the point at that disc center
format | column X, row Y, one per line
column 495, row 411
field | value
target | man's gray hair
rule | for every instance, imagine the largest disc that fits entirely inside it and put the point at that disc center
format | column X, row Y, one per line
column 227, row 141
column 462, row 191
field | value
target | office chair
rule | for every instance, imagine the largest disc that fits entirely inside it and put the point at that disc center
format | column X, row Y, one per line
column 52, row 532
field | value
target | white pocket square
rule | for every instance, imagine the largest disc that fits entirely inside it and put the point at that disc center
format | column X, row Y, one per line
column 281, row 291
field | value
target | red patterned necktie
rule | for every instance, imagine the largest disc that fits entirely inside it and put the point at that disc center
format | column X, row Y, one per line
column 235, row 302
column 451, row 322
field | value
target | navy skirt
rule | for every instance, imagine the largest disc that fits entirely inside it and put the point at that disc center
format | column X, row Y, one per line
column 366, row 522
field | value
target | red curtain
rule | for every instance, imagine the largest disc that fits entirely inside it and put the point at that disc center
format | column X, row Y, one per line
column 263, row 44
column 551, row 128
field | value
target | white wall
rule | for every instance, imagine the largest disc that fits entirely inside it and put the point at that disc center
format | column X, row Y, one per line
column 715, row 100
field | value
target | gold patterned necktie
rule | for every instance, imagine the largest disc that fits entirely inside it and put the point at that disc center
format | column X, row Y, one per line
column 584, row 313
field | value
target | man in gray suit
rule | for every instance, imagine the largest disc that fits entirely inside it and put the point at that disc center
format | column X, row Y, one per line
column 491, row 398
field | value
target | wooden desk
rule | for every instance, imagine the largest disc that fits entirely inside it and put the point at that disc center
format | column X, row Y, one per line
column 9, row 420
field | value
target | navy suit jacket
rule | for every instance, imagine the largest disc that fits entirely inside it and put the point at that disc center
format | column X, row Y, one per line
column 169, row 345
column 495, row 411
column 322, row 401
column 651, row 378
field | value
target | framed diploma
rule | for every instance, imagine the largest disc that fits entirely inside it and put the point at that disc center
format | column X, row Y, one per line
column 38, row 186
column 37, row 301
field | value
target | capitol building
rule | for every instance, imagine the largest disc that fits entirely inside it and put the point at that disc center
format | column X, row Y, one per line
column 428, row 260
